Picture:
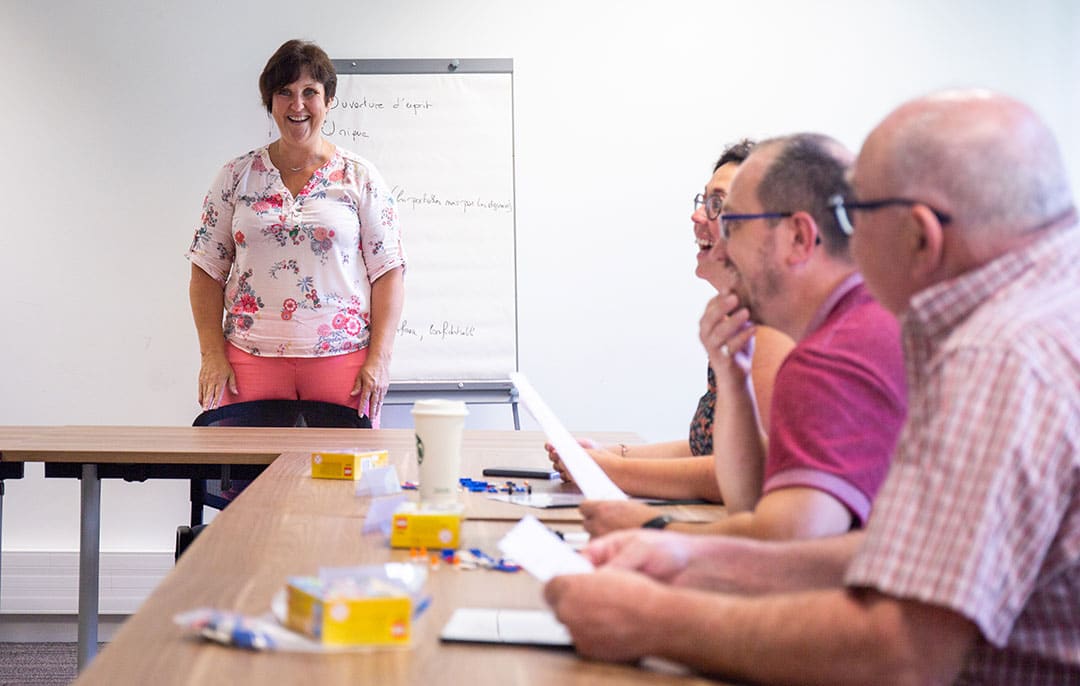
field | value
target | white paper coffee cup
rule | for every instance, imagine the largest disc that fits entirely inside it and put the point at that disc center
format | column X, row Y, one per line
column 439, row 425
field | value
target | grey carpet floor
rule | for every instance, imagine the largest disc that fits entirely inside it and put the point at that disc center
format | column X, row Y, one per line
column 38, row 664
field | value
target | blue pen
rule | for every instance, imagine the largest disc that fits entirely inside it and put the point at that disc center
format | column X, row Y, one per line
column 484, row 558
column 424, row 604
column 243, row 637
column 231, row 629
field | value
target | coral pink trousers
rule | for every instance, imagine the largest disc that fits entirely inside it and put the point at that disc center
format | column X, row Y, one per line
column 329, row 379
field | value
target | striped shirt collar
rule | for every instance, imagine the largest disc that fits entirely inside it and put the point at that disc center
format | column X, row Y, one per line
column 938, row 309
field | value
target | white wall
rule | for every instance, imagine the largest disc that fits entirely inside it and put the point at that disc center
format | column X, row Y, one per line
column 118, row 113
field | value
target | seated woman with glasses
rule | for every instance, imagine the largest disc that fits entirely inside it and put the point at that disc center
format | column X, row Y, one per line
column 690, row 473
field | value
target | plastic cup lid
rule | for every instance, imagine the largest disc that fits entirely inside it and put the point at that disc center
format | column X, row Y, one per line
column 449, row 408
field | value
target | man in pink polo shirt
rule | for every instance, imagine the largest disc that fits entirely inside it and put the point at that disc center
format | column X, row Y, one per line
column 839, row 397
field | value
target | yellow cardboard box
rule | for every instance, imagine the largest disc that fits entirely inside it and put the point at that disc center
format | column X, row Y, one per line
column 337, row 617
column 346, row 465
column 412, row 527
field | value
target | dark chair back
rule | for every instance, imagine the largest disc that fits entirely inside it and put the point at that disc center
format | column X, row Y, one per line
column 264, row 413
column 317, row 414
column 310, row 413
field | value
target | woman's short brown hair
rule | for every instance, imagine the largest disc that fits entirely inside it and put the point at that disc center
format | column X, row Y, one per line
column 290, row 60
column 736, row 152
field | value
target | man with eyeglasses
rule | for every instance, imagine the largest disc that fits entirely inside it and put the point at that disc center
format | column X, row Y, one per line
column 839, row 396
column 963, row 224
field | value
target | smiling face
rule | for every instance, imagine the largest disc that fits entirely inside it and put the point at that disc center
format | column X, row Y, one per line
column 750, row 252
column 713, row 268
column 299, row 109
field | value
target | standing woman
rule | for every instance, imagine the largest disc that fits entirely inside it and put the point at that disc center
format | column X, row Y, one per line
column 297, row 264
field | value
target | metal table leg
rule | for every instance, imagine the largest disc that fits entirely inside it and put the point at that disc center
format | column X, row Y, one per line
column 1, row 527
column 514, row 408
column 8, row 470
column 89, row 563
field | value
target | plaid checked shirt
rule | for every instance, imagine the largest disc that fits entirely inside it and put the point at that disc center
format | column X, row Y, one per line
column 980, row 512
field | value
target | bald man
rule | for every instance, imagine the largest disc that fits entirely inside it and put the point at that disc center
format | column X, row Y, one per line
column 969, row 568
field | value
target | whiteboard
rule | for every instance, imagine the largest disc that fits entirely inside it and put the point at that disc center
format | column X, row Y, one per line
column 441, row 133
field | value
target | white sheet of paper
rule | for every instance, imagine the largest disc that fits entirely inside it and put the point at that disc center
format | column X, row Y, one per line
column 540, row 500
column 491, row 625
column 540, row 552
column 588, row 476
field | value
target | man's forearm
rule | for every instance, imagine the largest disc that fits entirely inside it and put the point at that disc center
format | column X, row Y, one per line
column 738, row 449
column 744, row 565
column 818, row 637
column 739, row 524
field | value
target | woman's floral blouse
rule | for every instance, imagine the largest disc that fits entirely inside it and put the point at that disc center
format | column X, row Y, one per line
column 297, row 272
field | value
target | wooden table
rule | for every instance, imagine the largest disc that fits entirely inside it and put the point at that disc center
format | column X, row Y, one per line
column 95, row 449
column 286, row 524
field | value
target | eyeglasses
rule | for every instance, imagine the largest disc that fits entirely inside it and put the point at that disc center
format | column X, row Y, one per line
column 727, row 219
column 713, row 203
column 845, row 209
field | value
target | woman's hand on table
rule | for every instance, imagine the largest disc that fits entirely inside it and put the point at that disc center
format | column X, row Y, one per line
column 590, row 445
column 214, row 374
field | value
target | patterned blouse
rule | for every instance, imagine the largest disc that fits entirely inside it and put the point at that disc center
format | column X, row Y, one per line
column 701, row 425
column 297, row 272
